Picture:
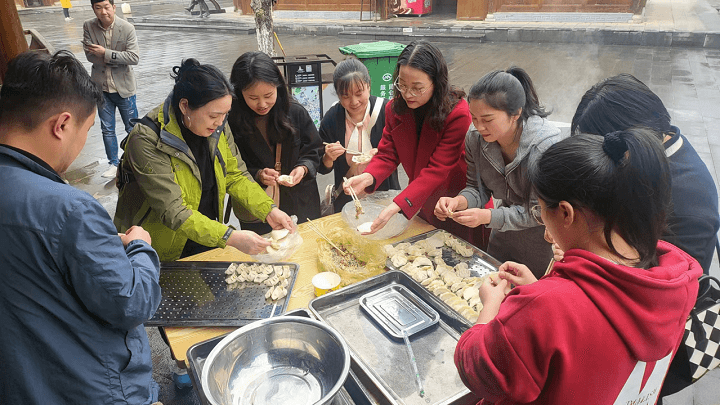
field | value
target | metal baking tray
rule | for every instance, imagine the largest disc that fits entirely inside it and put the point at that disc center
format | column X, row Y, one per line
column 381, row 362
column 196, row 294
column 395, row 308
column 480, row 263
column 352, row 392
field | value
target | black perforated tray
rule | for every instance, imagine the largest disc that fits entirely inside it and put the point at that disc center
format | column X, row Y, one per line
column 196, row 294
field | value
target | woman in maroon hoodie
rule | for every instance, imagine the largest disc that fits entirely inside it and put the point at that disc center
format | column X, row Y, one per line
column 604, row 324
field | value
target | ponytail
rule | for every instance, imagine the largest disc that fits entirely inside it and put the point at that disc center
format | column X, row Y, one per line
column 511, row 91
column 198, row 84
column 622, row 177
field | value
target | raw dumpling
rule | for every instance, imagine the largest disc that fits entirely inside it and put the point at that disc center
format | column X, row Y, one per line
column 446, row 296
column 428, row 280
column 436, row 241
column 434, row 252
column 389, row 250
column 398, row 260
column 231, row 269
column 438, row 291
column 470, row 293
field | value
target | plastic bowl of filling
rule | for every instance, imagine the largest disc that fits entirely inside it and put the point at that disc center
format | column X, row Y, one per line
column 394, row 227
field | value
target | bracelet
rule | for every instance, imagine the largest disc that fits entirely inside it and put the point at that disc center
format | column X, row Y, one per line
column 227, row 234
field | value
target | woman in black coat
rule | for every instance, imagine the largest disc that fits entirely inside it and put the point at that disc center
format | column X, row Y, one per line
column 263, row 117
column 345, row 126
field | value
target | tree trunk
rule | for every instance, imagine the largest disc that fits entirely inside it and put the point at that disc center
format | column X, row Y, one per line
column 264, row 26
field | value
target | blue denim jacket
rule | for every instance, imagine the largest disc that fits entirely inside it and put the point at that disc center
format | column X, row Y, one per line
column 72, row 298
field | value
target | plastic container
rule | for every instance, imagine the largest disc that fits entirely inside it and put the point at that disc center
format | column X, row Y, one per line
column 325, row 282
column 380, row 59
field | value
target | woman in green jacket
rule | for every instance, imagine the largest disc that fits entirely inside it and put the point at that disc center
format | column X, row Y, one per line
column 179, row 163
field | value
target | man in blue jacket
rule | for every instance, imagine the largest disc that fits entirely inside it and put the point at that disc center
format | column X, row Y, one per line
column 74, row 294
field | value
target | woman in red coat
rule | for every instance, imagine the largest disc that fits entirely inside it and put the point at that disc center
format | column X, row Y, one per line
column 425, row 129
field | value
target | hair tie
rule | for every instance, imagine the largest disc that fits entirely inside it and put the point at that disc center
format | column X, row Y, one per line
column 615, row 146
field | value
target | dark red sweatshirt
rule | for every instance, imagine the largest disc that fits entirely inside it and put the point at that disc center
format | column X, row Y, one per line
column 590, row 332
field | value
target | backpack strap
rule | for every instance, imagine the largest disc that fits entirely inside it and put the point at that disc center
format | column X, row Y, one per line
column 125, row 174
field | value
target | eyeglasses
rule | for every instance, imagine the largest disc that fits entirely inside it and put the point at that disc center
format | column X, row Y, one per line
column 536, row 213
column 414, row 92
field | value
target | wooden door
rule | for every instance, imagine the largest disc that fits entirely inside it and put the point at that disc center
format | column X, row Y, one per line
column 472, row 9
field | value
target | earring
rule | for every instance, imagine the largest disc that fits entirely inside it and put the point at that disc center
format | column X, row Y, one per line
column 188, row 119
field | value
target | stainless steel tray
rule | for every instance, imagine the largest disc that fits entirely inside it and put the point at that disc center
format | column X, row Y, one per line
column 480, row 263
column 352, row 392
column 381, row 362
column 395, row 308
column 196, row 294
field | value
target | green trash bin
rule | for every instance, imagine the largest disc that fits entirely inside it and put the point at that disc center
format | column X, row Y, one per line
column 380, row 58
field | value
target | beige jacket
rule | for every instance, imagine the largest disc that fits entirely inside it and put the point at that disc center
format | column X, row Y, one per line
column 122, row 53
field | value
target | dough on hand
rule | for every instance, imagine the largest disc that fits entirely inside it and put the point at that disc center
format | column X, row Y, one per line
column 285, row 179
column 365, row 227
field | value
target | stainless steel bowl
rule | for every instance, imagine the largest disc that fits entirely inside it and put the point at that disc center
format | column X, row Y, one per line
column 285, row 360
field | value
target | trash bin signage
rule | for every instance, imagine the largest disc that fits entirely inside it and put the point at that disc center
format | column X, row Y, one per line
column 303, row 74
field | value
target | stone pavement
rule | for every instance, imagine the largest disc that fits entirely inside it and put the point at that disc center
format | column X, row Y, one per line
column 686, row 78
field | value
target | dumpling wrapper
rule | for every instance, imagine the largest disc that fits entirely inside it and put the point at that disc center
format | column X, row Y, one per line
column 277, row 234
column 285, row 179
column 365, row 227
column 360, row 159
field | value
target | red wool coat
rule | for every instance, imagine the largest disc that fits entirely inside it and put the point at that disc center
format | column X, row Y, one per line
column 435, row 164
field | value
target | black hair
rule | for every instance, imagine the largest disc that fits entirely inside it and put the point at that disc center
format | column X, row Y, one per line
column 509, row 91
column 93, row 2
column 427, row 58
column 622, row 177
column 618, row 103
column 198, row 84
column 38, row 86
column 256, row 67
column 348, row 75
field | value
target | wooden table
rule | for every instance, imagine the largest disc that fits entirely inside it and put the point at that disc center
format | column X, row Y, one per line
column 182, row 338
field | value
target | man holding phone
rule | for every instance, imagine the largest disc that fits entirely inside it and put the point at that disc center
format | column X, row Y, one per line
column 111, row 46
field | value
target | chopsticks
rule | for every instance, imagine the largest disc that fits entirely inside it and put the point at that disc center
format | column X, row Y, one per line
column 413, row 362
column 348, row 151
column 358, row 207
column 352, row 192
column 322, row 235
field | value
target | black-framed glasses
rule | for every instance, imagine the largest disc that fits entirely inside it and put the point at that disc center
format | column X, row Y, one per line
column 412, row 92
column 536, row 212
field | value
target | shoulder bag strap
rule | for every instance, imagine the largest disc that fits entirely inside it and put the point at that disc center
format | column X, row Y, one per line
column 278, row 166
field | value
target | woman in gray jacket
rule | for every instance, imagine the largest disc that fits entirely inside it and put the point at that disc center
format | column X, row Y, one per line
column 509, row 134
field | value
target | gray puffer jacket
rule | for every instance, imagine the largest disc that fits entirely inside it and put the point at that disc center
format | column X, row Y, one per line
column 487, row 174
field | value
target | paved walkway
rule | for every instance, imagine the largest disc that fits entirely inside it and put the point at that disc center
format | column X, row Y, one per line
column 686, row 78
column 679, row 23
